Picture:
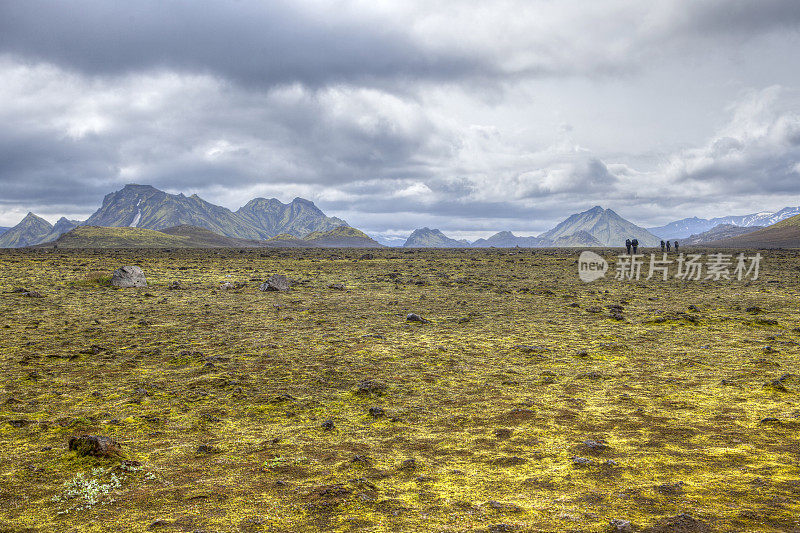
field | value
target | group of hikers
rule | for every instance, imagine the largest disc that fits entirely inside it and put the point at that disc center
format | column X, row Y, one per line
column 633, row 245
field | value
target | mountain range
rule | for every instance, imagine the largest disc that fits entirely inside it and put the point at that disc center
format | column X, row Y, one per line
column 144, row 206
column 269, row 222
column 596, row 227
column 681, row 229
column 782, row 234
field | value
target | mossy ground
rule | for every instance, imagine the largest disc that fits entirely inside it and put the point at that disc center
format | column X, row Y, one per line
column 678, row 395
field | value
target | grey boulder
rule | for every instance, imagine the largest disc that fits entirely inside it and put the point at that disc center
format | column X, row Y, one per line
column 276, row 282
column 128, row 276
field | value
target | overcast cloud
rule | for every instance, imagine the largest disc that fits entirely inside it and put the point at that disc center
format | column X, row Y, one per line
column 473, row 117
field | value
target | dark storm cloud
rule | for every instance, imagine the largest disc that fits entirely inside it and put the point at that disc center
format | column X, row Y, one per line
column 257, row 43
column 348, row 104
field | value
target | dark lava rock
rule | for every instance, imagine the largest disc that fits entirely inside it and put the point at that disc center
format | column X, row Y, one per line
column 337, row 286
column 33, row 294
column 682, row 523
column 369, row 386
column 671, row 488
column 95, row 446
column 276, row 282
column 128, row 276
column 328, row 425
column 753, row 310
column 377, row 412
column 176, row 286
column 509, row 461
column 206, row 449
column 621, row 526
column 408, row 464
column 502, row 433
column 581, row 461
column 503, row 506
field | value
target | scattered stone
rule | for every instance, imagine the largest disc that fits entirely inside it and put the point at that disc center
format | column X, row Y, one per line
column 671, row 488
column 413, row 317
column 235, row 286
column 176, row 286
column 408, row 464
column 682, row 523
column 621, row 526
column 693, row 308
column 337, row 286
column 368, row 386
column 754, row 310
column 581, row 461
column 128, row 276
column 21, row 423
column 367, row 256
column 373, row 336
column 276, row 282
column 582, row 354
column 610, row 463
column 770, row 420
column 508, row 461
column 503, row 506
column 206, row 449
column 95, row 446
column 502, row 433
column 33, row 294
column 376, row 412
column 328, row 425
column 595, row 446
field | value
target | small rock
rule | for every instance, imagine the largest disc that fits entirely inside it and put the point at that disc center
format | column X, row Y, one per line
column 328, row 425
column 368, row 386
column 671, row 488
column 95, row 446
column 206, row 449
column 408, row 464
column 33, row 294
column 503, row 506
column 176, row 286
column 594, row 445
column 682, row 523
column 413, row 317
column 276, row 282
column 621, row 526
column 376, row 412
column 128, row 276
column 581, row 461
column 336, row 286
column 502, row 433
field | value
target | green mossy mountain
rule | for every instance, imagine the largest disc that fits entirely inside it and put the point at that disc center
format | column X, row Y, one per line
column 783, row 234
column 62, row 226
column 432, row 238
column 31, row 230
column 186, row 236
column 579, row 239
column 722, row 231
column 506, row 239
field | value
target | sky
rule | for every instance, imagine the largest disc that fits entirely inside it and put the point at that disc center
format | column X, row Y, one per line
column 469, row 116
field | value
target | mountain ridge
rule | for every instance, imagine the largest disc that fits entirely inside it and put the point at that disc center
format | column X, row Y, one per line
column 685, row 227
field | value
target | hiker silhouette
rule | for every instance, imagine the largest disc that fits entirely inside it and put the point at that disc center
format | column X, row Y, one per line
column 628, row 246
